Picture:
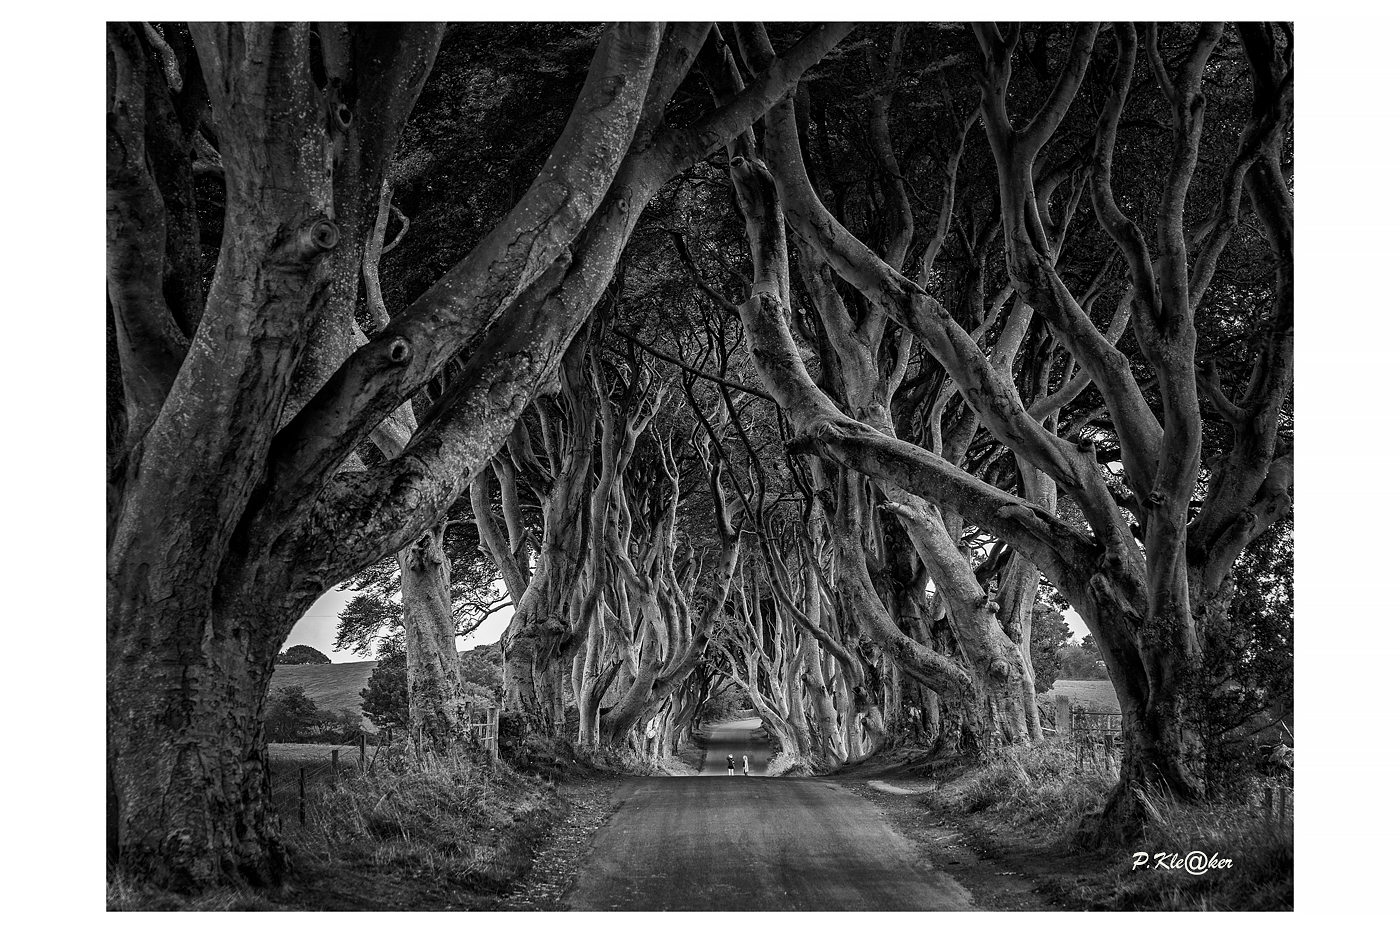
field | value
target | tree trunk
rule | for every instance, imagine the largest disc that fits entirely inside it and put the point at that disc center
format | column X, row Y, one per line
column 436, row 700
column 189, row 795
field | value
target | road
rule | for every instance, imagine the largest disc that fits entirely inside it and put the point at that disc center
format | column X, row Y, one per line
column 693, row 843
column 735, row 738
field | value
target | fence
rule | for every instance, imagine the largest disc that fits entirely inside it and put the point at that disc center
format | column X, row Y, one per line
column 1098, row 736
column 313, row 765
column 1274, row 803
column 483, row 724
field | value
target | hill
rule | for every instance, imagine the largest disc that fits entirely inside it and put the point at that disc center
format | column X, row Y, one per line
column 332, row 686
column 336, row 686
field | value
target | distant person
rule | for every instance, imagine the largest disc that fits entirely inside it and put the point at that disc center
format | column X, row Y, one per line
column 746, row 766
column 731, row 765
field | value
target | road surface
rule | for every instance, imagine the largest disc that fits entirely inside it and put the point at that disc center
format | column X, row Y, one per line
column 693, row 843
column 735, row 738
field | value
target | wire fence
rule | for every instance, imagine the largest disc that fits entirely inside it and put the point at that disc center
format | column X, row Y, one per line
column 310, row 766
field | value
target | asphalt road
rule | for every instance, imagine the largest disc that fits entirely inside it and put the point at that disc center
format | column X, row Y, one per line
column 734, row 738
column 692, row 843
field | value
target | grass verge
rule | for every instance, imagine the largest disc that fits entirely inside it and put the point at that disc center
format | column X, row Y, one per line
column 443, row 834
column 1043, row 788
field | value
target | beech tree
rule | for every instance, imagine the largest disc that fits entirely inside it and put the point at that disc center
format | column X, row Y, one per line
column 236, row 491
column 1018, row 320
column 1147, row 573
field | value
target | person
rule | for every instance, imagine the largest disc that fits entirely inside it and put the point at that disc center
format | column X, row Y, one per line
column 731, row 765
column 746, row 766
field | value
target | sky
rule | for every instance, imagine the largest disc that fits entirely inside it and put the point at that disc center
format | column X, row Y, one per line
column 317, row 627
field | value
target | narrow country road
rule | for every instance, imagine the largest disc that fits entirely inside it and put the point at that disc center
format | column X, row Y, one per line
column 694, row 843
column 735, row 738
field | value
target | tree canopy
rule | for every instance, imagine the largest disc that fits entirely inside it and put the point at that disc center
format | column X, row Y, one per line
column 817, row 364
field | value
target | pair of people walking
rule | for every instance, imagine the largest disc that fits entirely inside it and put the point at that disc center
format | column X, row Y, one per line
column 731, row 765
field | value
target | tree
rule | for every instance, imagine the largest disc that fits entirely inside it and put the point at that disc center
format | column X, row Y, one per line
column 385, row 697
column 1082, row 661
column 1149, row 569
column 1050, row 638
column 234, row 498
column 291, row 714
column 302, row 654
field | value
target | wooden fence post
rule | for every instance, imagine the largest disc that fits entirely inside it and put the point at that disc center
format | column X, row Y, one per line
column 362, row 751
column 301, row 795
column 335, row 766
column 1062, row 719
column 1269, row 804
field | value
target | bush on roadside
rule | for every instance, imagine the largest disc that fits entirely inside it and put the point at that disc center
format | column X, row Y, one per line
column 1040, row 783
column 1260, row 875
column 1043, row 785
column 446, row 832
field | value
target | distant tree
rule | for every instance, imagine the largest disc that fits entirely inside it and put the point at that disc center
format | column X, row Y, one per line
column 1082, row 661
column 338, row 727
column 386, row 695
column 302, row 654
column 1050, row 635
column 291, row 715
column 481, row 668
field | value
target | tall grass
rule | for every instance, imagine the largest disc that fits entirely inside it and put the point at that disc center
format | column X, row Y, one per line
column 1044, row 786
column 1041, row 783
column 442, row 832
column 1260, row 850
column 458, row 820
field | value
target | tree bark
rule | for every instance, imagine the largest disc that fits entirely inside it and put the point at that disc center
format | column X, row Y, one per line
column 436, row 700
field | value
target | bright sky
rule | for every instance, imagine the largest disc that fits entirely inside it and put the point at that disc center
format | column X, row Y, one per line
column 317, row 627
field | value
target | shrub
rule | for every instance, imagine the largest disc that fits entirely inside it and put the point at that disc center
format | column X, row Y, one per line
column 291, row 715
column 456, row 832
column 1041, row 783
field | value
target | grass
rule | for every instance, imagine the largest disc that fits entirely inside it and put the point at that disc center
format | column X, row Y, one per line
column 1260, row 876
column 415, row 836
column 1041, row 784
column 1095, row 696
column 1043, row 788
column 332, row 686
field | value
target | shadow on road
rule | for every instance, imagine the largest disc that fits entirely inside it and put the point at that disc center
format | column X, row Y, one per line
column 738, row 737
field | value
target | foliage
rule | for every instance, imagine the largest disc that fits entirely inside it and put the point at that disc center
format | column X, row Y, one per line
column 1050, row 635
column 1082, row 661
column 302, row 654
column 386, row 695
column 726, row 703
column 1043, row 786
column 1041, row 783
column 454, row 834
column 481, row 668
column 1260, row 876
column 1248, row 671
column 291, row 715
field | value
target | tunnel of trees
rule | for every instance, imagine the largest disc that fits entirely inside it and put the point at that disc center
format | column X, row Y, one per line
column 818, row 361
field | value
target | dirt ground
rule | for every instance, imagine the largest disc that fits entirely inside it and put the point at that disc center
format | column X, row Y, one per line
column 589, row 803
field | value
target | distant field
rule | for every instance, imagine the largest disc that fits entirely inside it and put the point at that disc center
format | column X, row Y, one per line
column 332, row 686
column 285, row 753
column 1095, row 696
